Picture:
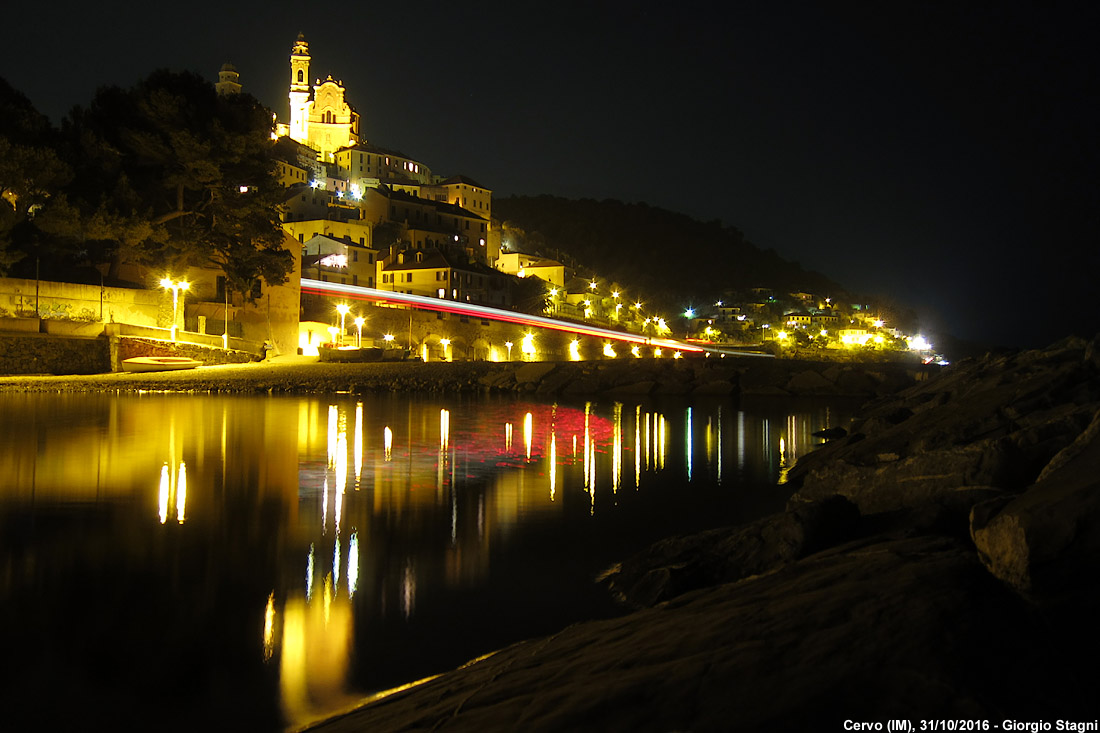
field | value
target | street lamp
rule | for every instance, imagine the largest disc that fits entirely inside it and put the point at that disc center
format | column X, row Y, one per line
column 445, row 343
column 509, row 345
column 175, row 286
column 342, row 309
column 359, row 336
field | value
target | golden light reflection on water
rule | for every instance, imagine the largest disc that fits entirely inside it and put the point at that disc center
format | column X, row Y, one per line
column 527, row 423
column 358, row 443
column 617, row 446
column 433, row 512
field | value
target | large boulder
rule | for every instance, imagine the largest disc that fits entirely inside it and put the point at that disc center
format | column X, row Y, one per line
column 679, row 564
column 995, row 422
column 1046, row 541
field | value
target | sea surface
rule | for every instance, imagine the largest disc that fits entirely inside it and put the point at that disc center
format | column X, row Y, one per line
column 183, row 562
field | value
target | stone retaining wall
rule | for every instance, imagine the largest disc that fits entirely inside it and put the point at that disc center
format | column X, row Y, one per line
column 34, row 353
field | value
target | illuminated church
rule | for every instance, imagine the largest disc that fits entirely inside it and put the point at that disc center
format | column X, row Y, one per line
column 320, row 117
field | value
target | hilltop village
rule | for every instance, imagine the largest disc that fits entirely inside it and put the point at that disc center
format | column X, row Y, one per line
column 372, row 216
column 355, row 213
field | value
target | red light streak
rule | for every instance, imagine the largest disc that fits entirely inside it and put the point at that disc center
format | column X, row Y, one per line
column 494, row 314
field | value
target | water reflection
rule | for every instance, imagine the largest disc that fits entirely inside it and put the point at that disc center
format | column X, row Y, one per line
column 344, row 544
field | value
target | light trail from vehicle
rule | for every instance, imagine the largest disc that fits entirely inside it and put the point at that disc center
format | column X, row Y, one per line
column 356, row 292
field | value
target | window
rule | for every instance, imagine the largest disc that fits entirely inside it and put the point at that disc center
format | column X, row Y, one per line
column 301, row 76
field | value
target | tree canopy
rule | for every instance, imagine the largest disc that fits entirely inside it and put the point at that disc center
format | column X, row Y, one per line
column 30, row 172
column 168, row 174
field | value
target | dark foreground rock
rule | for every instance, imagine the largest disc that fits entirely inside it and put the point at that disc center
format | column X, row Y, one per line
column 991, row 423
column 871, row 630
column 939, row 562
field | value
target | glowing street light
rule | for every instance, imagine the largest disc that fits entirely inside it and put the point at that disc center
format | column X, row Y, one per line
column 445, row 343
column 332, row 332
column 175, row 286
column 508, row 344
column 919, row 343
column 689, row 313
column 359, row 321
column 343, row 309
column 592, row 285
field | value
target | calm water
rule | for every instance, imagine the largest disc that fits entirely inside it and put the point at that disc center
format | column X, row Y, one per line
column 262, row 562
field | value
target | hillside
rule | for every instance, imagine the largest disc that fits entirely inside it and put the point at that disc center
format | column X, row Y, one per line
column 650, row 248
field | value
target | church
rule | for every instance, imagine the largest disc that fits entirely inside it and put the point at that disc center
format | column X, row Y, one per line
column 320, row 117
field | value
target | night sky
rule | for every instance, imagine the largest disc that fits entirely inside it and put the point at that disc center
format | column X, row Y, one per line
column 942, row 153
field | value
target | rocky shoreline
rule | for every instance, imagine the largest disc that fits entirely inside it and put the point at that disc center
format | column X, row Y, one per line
column 937, row 562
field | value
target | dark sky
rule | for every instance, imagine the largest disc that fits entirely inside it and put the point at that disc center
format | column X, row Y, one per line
column 942, row 153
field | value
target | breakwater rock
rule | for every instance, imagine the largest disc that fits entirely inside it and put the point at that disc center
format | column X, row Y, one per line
column 936, row 563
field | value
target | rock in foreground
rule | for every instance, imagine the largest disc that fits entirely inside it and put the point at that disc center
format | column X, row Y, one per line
column 869, row 631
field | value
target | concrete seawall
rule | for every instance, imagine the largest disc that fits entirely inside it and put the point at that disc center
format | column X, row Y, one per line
column 730, row 376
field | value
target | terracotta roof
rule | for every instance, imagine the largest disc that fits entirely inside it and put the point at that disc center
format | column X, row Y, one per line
column 461, row 179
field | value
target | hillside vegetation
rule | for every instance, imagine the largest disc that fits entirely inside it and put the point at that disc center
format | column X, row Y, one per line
column 653, row 249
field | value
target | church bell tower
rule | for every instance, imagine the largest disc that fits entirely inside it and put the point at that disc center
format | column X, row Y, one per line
column 299, row 90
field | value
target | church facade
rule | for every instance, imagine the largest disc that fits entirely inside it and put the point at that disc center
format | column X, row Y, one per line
column 320, row 117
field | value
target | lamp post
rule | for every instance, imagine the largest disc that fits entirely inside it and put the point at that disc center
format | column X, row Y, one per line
column 359, row 321
column 445, row 343
column 342, row 309
column 175, row 286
